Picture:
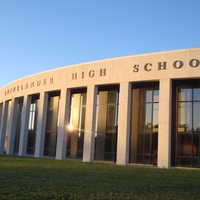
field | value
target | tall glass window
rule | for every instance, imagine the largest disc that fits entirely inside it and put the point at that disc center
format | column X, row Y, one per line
column 1, row 110
column 18, row 126
column 51, row 124
column 144, row 129
column 76, row 127
column 32, row 125
column 188, row 125
column 106, row 123
column 1, row 113
column 7, row 124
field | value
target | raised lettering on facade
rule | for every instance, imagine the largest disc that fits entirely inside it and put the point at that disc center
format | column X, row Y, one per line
column 177, row 64
column 90, row 74
column 26, row 86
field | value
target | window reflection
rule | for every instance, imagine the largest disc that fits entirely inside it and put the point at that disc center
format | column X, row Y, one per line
column 32, row 124
column 156, row 96
column 9, row 104
column 148, row 94
column 185, row 117
column 185, row 94
column 51, row 124
column 18, row 127
column 106, row 123
column 188, row 128
column 155, row 117
column 144, row 131
column 196, row 117
column 196, row 92
column 75, row 138
column 32, row 116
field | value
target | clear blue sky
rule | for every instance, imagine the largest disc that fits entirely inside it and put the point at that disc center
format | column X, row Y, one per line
column 38, row 35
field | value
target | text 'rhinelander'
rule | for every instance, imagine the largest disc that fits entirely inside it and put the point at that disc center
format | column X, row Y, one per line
column 26, row 86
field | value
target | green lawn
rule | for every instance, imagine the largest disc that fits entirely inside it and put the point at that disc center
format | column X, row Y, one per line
column 31, row 178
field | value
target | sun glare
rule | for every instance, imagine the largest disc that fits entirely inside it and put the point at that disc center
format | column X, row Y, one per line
column 70, row 127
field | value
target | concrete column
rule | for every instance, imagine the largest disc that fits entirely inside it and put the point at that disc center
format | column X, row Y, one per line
column 62, row 123
column 164, row 131
column 89, row 140
column 12, row 127
column 24, row 126
column 3, row 126
column 41, row 125
column 124, row 121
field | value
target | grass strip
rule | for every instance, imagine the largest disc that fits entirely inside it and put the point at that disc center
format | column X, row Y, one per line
column 33, row 178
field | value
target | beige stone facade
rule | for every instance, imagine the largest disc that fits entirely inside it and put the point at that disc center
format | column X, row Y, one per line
column 126, row 110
